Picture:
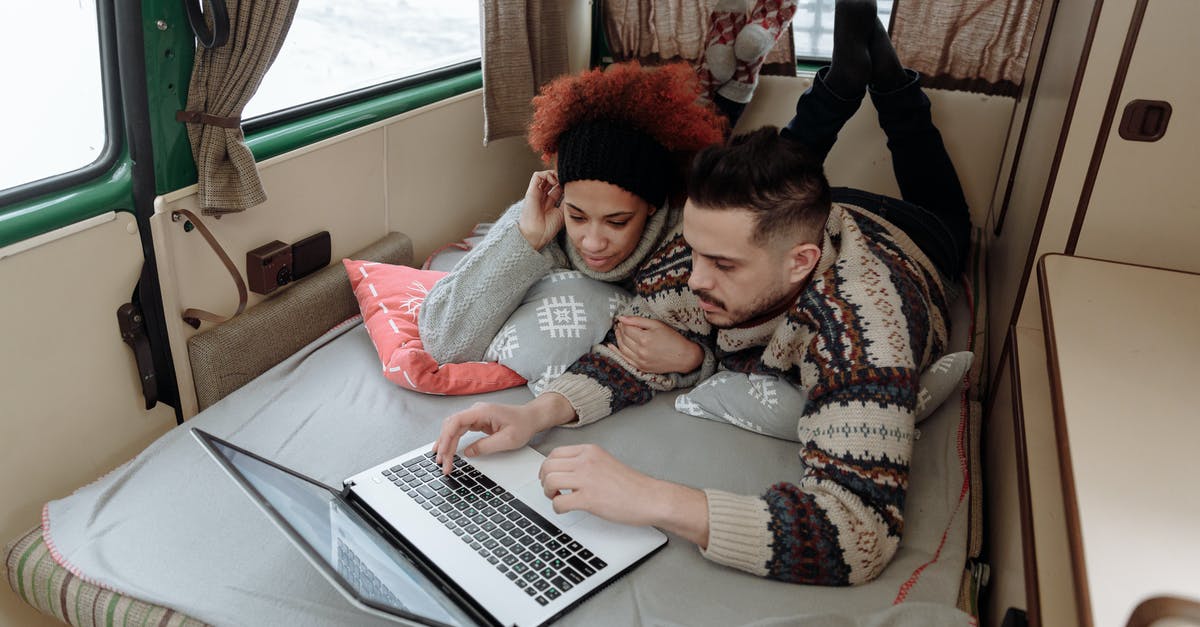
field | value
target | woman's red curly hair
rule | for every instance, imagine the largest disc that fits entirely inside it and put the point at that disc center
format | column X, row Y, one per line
column 659, row 101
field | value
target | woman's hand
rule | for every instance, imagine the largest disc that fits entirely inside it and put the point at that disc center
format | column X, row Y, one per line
column 654, row 347
column 541, row 219
column 507, row 427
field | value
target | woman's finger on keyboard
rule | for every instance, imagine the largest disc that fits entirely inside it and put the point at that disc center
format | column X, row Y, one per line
column 453, row 429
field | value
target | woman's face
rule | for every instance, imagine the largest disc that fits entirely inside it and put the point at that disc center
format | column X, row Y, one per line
column 604, row 222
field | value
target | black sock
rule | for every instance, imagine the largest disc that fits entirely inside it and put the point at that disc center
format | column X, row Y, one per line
column 887, row 73
column 853, row 27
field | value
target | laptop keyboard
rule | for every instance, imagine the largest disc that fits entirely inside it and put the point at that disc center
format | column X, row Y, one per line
column 351, row 568
column 538, row 557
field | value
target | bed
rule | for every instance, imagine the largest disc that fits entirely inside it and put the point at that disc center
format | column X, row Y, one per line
column 168, row 539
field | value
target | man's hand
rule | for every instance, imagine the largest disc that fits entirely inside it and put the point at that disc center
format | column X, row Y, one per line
column 541, row 219
column 652, row 346
column 508, row 426
column 600, row 484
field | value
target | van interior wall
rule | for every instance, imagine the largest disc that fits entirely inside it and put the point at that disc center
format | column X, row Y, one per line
column 1030, row 172
column 1080, row 188
column 425, row 173
column 1009, row 249
column 1119, row 199
column 72, row 401
column 974, row 128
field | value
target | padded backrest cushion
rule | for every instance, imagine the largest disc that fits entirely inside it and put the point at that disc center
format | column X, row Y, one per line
column 228, row 356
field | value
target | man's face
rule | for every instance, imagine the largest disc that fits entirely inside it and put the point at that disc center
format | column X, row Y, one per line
column 735, row 278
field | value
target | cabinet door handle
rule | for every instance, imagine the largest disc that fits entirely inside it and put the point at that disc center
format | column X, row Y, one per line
column 1145, row 120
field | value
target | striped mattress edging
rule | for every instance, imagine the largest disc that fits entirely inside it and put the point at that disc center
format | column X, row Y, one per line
column 40, row 581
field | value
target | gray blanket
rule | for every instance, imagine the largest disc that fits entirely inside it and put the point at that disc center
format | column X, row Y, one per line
column 169, row 527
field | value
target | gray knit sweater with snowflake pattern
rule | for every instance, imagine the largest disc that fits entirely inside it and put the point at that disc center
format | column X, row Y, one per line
column 464, row 310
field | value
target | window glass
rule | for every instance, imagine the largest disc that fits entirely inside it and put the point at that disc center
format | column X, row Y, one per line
column 338, row 46
column 52, row 112
column 812, row 28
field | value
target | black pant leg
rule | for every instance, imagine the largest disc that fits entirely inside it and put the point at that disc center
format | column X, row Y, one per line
column 924, row 171
column 820, row 116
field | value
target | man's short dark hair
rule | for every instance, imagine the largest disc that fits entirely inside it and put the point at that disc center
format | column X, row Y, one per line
column 771, row 176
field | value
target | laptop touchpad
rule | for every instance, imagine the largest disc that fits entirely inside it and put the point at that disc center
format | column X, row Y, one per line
column 533, row 496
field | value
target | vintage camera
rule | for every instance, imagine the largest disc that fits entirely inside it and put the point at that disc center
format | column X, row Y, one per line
column 268, row 267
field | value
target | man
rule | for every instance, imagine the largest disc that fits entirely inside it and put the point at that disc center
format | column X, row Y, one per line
column 841, row 292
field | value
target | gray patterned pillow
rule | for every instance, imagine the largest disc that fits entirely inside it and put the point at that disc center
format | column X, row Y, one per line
column 771, row 406
column 562, row 316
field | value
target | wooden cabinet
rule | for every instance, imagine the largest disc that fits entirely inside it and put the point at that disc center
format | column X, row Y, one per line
column 1074, row 183
column 1077, row 182
column 1104, row 428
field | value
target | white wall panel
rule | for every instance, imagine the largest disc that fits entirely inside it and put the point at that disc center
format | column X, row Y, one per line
column 72, row 405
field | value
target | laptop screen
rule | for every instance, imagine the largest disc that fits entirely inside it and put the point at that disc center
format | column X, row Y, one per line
column 357, row 555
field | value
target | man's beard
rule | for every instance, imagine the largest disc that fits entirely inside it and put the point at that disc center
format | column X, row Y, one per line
column 767, row 303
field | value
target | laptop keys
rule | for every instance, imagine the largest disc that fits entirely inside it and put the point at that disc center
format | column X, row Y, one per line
column 581, row 566
column 529, row 550
column 572, row 576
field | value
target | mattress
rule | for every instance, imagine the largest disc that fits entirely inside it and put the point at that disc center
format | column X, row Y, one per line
column 169, row 539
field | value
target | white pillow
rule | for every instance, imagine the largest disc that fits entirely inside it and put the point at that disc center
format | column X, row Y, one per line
column 772, row 406
column 561, row 317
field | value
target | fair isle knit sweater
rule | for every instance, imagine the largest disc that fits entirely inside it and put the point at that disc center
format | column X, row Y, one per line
column 464, row 310
column 871, row 319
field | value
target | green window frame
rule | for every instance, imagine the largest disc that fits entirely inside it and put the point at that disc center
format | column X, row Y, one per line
column 106, row 185
column 102, row 186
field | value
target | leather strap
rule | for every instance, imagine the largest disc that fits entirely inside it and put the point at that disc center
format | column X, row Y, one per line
column 200, row 117
column 194, row 316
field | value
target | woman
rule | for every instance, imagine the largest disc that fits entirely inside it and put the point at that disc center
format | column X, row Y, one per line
column 620, row 139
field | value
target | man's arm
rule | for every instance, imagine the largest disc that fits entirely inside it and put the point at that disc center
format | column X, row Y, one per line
column 605, row 381
column 841, row 523
column 586, row 477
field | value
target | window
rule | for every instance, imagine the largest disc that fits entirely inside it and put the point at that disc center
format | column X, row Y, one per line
column 52, row 118
column 335, row 47
column 812, row 28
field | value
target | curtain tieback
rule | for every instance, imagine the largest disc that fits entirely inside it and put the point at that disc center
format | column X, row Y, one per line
column 200, row 117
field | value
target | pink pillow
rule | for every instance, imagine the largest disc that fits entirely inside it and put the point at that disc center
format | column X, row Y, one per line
column 389, row 298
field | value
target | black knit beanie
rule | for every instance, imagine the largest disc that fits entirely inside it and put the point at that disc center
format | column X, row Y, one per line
column 611, row 152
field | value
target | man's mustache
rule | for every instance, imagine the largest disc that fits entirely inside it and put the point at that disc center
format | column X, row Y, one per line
column 705, row 296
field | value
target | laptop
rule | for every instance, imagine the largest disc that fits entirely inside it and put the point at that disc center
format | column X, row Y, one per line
column 482, row 545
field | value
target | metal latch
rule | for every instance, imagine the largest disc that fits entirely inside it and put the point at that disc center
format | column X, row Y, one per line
column 133, row 332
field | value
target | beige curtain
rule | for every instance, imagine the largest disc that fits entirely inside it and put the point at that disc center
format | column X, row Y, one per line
column 969, row 45
column 524, row 46
column 223, row 80
column 665, row 30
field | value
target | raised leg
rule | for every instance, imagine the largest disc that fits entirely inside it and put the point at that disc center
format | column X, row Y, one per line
column 837, row 90
column 924, row 171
